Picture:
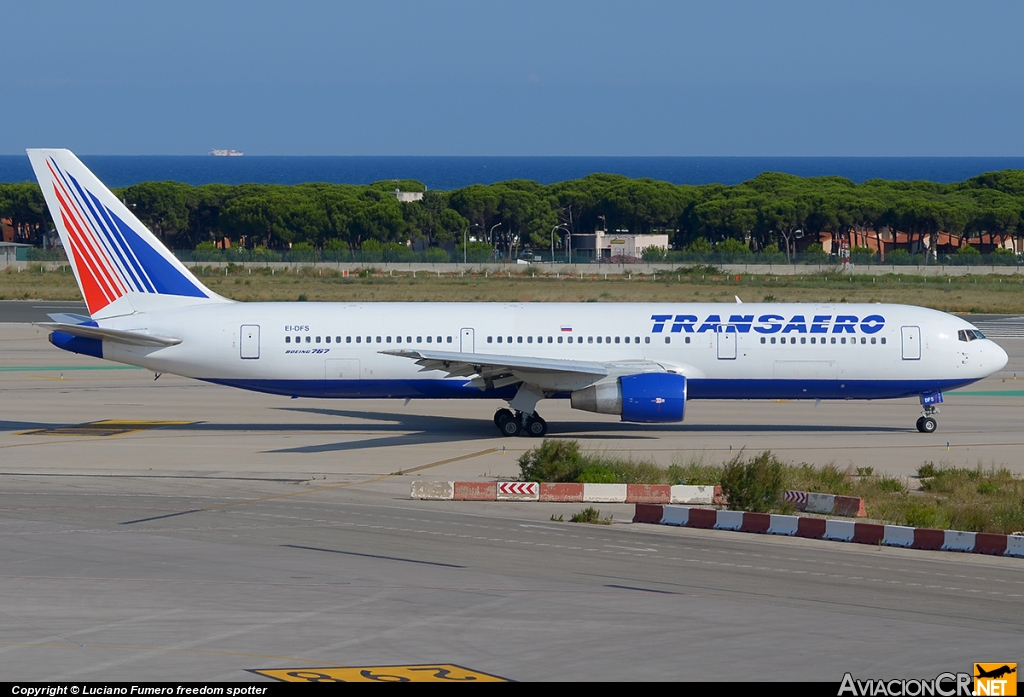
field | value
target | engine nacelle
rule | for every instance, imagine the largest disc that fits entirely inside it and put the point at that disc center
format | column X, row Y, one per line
column 645, row 398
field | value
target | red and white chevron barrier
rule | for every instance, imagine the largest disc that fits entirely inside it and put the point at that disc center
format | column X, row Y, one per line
column 828, row 504
column 568, row 492
column 827, row 529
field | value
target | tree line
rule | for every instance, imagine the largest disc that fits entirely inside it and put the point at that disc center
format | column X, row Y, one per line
column 767, row 213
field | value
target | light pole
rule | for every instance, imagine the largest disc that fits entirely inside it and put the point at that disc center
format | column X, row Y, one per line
column 490, row 238
column 560, row 226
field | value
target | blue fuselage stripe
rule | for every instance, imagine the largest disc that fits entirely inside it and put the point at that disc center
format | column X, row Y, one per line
column 698, row 388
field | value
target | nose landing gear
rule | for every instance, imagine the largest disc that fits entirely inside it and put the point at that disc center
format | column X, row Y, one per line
column 927, row 424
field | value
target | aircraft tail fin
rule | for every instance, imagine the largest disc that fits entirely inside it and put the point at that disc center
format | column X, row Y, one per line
column 121, row 267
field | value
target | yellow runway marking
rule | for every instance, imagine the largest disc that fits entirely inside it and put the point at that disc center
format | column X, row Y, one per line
column 441, row 672
column 109, row 427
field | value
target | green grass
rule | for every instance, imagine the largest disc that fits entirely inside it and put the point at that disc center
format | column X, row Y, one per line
column 993, row 293
column 974, row 500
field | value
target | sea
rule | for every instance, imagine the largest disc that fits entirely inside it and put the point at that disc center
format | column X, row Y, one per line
column 454, row 172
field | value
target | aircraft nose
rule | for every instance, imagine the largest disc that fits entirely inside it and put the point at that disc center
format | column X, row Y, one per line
column 998, row 357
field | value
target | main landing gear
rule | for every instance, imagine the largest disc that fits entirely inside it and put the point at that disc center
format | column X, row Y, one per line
column 517, row 423
column 927, row 424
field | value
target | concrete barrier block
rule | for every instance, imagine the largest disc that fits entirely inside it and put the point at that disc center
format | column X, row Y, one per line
column 783, row 524
column 1014, row 546
column 686, row 493
column 925, row 538
column 898, row 536
column 569, row 493
column 676, row 515
column 958, row 541
column 813, row 528
column 756, row 522
column 705, row 518
column 868, row 533
column 820, row 503
column 604, row 493
column 840, row 530
column 475, row 491
column 729, row 520
column 648, row 493
column 990, row 543
column 849, row 506
column 433, row 491
column 648, row 513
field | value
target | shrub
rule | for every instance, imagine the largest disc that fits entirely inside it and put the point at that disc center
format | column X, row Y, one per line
column 862, row 255
column 590, row 515
column 755, row 485
column 899, row 257
column 552, row 461
column 436, row 255
column 1003, row 257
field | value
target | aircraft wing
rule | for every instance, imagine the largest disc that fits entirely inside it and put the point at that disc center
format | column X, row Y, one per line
column 494, row 371
column 117, row 336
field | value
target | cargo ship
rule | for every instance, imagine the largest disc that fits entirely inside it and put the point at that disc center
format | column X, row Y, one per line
column 226, row 153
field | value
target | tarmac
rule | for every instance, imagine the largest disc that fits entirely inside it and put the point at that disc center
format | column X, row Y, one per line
column 174, row 530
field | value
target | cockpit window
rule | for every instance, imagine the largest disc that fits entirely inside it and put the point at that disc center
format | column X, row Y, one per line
column 969, row 335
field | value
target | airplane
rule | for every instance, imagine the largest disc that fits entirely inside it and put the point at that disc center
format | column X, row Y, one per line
column 640, row 361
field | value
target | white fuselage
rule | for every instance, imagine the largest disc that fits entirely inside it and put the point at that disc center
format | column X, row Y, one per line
column 745, row 351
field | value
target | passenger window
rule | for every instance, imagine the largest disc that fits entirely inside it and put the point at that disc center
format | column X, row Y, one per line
column 873, row 340
column 762, row 340
column 813, row 340
column 337, row 339
column 843, row 340
column 559, row 339
column 327, row 339
column 519, row 339
column 647, row 339
column 590, row 339
column 389, row 339
column 529, row 339
column 348, row 339
column 773, row 339
column 509, row 340
column 429, row 339
column 309, row 339
column 318, row 340
column 419, row 340
column 499, row 339
column 408, row 339
column 359, row 339
column 616, row 340
column 378, row 339
column 668, row 340
column 398, row 339
column 883, row 339
column 287, row 340
column 569, row 339
column 636, row 340
column 550, row 340
column 490, row 339
column 599, row 340
column 687, row 339
column 625, row 339
column 803, row 340
column 833, row 340
column 449, row 340
column 863, row 340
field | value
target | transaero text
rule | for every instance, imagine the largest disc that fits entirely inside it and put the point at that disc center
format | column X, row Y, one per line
column 769, row 324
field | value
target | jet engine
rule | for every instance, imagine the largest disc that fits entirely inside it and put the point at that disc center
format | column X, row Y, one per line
column 645, row 398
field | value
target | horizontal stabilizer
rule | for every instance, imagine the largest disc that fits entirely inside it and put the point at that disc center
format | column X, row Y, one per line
column 117, row 336
column 69, row 318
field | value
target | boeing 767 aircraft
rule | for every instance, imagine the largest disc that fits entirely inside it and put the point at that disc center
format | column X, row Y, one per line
column 640, row 361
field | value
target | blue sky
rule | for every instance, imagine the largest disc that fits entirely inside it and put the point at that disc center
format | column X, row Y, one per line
column 514, row 77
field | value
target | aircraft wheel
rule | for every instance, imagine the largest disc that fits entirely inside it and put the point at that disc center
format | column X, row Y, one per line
column 502, row 414
column 920, row 420
column 510, row 425
column 927, row 424
column 536, row 427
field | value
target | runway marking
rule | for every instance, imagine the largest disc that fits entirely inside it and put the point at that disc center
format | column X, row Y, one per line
column 433, row 672
column 343, row 485
column 108, row 427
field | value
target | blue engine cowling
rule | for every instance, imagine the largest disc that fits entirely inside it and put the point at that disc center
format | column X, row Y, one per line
column 645, row 398
column 653, row 398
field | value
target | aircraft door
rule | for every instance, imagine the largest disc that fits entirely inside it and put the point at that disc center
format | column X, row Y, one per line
column 726, row 341
column 250, row 341
column 467, row 340
column 911, row 343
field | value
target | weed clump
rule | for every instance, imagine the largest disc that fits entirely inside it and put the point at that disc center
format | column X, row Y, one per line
column 590, row 515
column 755, row 485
